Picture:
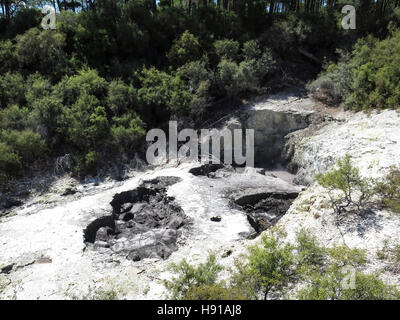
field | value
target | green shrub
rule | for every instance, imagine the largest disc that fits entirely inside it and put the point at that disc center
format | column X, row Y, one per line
column 342, row 255
column 186, row 48
column 334, row 84
column 42, row 51
column 189, row 277
column 391, row 253
column 256, row 69
column 332, row 280
column 389, row 189
column 194, row 73
column 38, row 87
column 121, row 97
column 8, row 60
column 367, row 78
column 229, row 78
column 47, row 114
column 10, row 162
column 213, row 292
column 354, row 190
column 86, row 123
column 85, row 82
column 29, row 145
column 12, row 89
column 85, row 164
column 309, row 250
column 127, row 131
column 376, row 79
column 227, row 49
column 14, row 117
column 328, row 286
column 270, row 266
column 163, row 93
column 251, row 50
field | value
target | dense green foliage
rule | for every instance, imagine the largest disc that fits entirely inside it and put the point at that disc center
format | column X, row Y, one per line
column 388, row 189
column 275, row 269
column 366, row 78
column 190, row 277
column 113, row 69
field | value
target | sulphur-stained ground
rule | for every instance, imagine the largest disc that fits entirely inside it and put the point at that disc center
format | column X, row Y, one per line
column 42, row 249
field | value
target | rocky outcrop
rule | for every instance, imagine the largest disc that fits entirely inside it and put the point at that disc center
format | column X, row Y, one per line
column 372, row 141
column 144, row 222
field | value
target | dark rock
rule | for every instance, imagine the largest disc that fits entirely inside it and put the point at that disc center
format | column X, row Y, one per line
column 69, row 191
column 265, row 209
column 206, row 169
column 91, row 230
column 216, row 219
column 227, row 253
column 128, row 216
column 144, row 222
column 7, row 268
column 126, row 207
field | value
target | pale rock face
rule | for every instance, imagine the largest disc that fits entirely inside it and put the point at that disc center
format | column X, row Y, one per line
column 53, row 231
column 372, row 141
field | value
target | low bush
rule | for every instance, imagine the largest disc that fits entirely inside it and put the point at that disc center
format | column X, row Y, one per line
column 10, row 162
column 192, row 278
column 329, row 286
column 347, row 189
column 353, row 190
column 274, row 269
column 29, row 145
column 270, row 267
column 227, row 49
column 389, row 189
column 186, row 48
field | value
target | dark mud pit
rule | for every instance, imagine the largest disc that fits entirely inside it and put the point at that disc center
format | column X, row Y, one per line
column 145, row 222
column 207, row 170
column 264, row 209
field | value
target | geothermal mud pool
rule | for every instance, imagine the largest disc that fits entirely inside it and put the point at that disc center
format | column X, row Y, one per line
column 127, row 233
column 144, row 223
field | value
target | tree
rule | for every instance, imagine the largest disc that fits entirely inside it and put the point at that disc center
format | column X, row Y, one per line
column 43, row 51
column 185, row 49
